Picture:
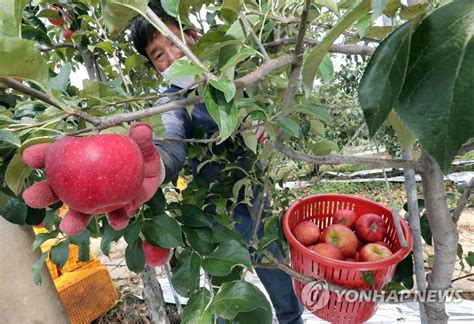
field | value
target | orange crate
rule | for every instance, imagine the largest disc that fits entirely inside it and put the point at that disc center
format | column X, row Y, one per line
column 86, row 294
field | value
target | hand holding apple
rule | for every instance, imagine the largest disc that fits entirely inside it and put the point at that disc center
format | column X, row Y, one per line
column 112, row 174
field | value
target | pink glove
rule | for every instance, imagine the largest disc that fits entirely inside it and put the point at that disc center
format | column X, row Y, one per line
column 112, row 174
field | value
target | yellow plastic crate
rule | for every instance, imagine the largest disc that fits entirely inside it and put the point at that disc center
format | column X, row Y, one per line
column 86, row 294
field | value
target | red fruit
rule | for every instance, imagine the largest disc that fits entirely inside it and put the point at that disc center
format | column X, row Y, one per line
column 373, row 252
column 354, row 258
column 154, row 255
column 95, row 174
column 383, row 243
column 68, row 34
column 360, row 244
column 341, row 237
column 345, row 217
column 371, row 227
column 306, row 232
column 57, row 22
column 327, row 250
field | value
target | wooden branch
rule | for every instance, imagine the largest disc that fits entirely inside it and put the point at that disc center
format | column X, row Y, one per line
column 249, row 29
column 258, row 220
column 342, row 159
column 469, row 146
column 186, row 140
column 153, row 295
column 335, row 48
column 462, row 202
column 463, row 277
column 414, row 221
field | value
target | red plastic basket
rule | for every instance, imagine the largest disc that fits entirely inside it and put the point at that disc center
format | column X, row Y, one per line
column 320, row 210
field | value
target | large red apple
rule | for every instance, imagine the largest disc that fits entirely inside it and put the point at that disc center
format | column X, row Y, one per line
column 328, row 250
column 341, row 237
column 345, row 217
column 373, row 252
column 95, row 174
column 371, row 227
column 154, row 255
column 306, row 232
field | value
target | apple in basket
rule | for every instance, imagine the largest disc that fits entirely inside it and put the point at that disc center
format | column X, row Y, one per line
column 373, row 252
column 341, row 237
column 306, row 232
column 328, row 250
column 371, row 227
column 345, row 217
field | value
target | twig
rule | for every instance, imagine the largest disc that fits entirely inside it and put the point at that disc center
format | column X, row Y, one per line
column 46, row 48
column 35, row 125
column 335, row 48
column 462, row 202
column 254, row 36
column 463, row 277
column 260, row 209
column 186, row 140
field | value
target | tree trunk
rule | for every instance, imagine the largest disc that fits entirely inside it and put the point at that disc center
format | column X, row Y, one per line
column 21, row 301
column 445, row 236
column 154, row 296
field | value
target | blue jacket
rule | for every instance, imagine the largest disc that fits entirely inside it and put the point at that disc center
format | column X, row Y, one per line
column 179, row 124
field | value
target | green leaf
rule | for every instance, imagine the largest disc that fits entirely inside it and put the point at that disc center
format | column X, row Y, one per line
column 185, row 277
column 118, row 13
column 226, row 87
column 318, row 127
column 132, row 231
column 34, row 216
column 313, row 60
column 404, row 135
column 436, row 100
column 230, row 10
column 369, row 278
column 133, row 61
column 363, row 25
column 227, row 255
column 379, row 32
column 135, row 257
column 326, row 69
column 459, row 253
column 12, row 209
column 470, row 258
column 324, row 147
column 317, row 111
column 59, row 253
column 222, row 234
column 330, row 4
column 9, row 137
column 171, row 7
column 250, row 140
column 404, row 272
column 82, row 239
column 110, row 235
column 107, row 47
column 224, row 113
column 197, row 310
column 192, row 215
column 163, row 231
column 59, row 83
column 37, row 267
column 200, row 239
column 384, row 76
column 240, row 56
column 16, row 174
column 378, row 6
column 11, row 12
column 181, row 68
column 43, row 237
column 157, row 203
column 393, row 286
column 408, row 12
column 426, row 230
column 241, row 298
column 21, row 59
column 289, row 126
column 84, row 255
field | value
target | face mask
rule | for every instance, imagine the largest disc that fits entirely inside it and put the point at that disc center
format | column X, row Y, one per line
column 181, row 81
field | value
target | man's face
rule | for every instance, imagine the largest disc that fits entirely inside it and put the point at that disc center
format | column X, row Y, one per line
column 162, row 52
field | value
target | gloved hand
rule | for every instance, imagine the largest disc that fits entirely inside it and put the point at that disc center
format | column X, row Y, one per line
column 112, row 174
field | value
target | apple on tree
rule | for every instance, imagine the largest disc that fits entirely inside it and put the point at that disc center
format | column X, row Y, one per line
column 371, row 227
column 374, row 252
column 155, row 255
column 328, row 250
column 112, row 174
column 341, row 237
column 57, row 22
column 345, row 217
column 68, row 34
column 306, row 232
